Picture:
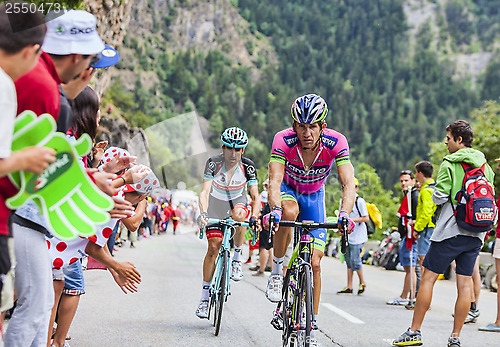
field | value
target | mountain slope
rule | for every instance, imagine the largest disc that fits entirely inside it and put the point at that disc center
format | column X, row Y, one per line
column 393, row 72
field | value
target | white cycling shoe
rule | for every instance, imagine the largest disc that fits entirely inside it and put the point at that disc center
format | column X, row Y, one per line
column 236, row 271
column 202, row 310
column 274, row 288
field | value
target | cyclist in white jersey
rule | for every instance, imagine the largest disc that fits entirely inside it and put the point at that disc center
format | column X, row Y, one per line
column 224, row 194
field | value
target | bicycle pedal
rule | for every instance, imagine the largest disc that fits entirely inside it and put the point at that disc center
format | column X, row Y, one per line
column 277, row 323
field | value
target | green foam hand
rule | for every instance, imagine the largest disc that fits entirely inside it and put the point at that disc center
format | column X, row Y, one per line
column 70, row 202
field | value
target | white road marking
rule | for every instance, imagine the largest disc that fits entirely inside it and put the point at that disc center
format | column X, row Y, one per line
column 389, row 341
column 343, row 314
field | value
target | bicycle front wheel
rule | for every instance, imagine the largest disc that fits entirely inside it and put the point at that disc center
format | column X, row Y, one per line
column 304, row 308
column 220, row 295
column 286, row 310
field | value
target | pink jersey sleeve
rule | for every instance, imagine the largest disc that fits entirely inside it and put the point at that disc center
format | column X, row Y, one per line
column 282, row 143
column 337, row 146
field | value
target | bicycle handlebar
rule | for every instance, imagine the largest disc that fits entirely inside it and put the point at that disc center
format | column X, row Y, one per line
column 308, row 225
column 230, row 223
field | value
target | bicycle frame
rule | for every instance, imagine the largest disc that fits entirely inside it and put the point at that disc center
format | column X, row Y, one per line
column 297, row 300
column 220, row 287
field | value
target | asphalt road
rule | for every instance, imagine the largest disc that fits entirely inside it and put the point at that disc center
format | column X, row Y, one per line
column 162, row 312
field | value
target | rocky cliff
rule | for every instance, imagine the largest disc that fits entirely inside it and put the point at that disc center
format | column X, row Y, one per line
column 113, row 19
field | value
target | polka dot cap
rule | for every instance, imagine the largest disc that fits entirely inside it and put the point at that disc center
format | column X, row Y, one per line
column 113, row 152
column 147, row 184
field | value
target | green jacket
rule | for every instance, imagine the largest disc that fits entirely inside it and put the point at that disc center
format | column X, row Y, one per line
column 425, row 208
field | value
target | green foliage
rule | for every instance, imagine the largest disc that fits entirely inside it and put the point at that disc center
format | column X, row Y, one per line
column 486, row 125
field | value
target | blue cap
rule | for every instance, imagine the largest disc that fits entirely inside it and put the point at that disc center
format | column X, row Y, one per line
column 109, row 57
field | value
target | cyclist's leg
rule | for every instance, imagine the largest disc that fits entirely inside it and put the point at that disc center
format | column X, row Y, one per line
column 313, row 209
column 216, row 209
column 239, row 213
column 214, row 244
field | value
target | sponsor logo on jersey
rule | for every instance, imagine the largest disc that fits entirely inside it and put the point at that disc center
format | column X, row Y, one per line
column 314, row 171
column 291, row 140
column 329, row 141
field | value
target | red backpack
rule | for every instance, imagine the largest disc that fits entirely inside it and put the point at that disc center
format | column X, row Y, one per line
column 476, row 209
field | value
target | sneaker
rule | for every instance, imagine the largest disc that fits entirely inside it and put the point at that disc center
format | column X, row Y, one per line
column 345, row 291
column 202, row 310
column 490, row 327
column 361, row 288
column 274, row 288
column 454, row 342
column 236, row 272
column 259, row 273
column 397, row 301
column 249, row 261
column 410, row 305
column 472, row 316
column 268, row 269
column 254, row 268
column 409, row 338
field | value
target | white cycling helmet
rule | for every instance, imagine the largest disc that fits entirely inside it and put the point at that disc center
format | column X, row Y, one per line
column 234, row 138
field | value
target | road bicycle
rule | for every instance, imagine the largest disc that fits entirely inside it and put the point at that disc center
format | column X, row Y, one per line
column 219, row 287
column 294, row 313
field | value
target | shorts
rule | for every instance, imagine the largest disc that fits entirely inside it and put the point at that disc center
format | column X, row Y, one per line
column 222, row 209
column 404, row 254
column 353, row 256
column 424, row 241
column 73, row 279
column 312, row 208
column 264, row 240
column 496, row 250
column 462, row 249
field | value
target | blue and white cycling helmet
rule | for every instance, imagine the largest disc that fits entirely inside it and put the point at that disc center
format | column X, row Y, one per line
column 234, row 137
column 310, row 108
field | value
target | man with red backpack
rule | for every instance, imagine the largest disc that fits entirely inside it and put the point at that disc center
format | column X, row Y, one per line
column 468, row 211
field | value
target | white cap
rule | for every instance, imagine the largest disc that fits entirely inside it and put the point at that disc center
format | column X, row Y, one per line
column 72, row 33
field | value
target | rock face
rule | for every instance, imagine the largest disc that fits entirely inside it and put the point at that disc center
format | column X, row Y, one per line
column 118, row 133
column 113, row 19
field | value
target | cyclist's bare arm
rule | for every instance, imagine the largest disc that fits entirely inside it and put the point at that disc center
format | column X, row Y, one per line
column 254, row 194
column 276, row 173
column 204, row 195
column 346, row 177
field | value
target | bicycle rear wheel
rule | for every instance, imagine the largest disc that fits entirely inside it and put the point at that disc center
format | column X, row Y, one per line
column 220, row 295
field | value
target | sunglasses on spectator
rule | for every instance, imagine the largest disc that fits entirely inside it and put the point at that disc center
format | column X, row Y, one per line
column 94, row 60
column 406, row 172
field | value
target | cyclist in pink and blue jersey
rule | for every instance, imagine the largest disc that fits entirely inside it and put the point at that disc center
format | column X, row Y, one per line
column 301, row 160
